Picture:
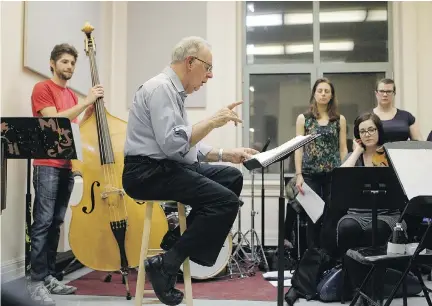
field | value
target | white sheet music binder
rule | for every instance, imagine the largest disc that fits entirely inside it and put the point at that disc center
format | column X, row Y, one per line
column 265, row 159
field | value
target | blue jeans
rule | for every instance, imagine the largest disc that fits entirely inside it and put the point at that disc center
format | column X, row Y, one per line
column 53, row 187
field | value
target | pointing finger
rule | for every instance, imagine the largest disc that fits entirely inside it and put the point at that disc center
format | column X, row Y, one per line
column 232, row 105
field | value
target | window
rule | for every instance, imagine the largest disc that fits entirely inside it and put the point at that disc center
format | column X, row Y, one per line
column 288, row 45
column 270, row 96
column 277, row 31
column 353, row 32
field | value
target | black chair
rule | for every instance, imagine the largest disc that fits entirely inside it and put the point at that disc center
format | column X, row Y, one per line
column 364, row 187
column 419, row 206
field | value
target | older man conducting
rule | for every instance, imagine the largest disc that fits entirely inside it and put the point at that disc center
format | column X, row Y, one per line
column 163, row 159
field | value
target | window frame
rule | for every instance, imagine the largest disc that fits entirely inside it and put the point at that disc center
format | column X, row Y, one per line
column 316, row 69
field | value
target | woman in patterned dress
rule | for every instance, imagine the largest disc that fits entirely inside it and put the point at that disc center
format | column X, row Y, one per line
column 315, row 161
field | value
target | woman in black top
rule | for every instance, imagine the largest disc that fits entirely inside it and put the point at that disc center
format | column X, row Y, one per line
column 399, row 125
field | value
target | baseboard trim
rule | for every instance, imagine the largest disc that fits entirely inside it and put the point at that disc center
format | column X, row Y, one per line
column 12, row 269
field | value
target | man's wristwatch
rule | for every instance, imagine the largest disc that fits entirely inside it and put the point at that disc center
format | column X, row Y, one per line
column 220, row 155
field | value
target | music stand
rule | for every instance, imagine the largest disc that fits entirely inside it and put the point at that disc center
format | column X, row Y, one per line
column 412, row 163
column 37, row 138
column 366, row 187
column 254, row 164
column 262, row 198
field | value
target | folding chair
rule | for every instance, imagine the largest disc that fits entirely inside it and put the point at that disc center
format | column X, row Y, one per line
column 420, row 206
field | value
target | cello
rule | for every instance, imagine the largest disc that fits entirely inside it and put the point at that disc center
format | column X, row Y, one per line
column 106, row 226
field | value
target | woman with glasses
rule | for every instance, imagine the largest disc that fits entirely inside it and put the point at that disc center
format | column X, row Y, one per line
column 368, row 152
column 399, row 125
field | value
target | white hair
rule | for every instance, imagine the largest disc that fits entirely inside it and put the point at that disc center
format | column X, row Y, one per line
column 188, row 46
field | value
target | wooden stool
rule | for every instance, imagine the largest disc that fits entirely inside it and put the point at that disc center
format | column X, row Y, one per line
column 139, row 293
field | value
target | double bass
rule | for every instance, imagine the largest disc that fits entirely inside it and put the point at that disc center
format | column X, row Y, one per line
column 106, row 226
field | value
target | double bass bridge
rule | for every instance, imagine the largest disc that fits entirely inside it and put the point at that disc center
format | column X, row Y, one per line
column 112, row 191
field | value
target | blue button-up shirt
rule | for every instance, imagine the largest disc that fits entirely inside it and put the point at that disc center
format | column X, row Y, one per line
column 158, row 126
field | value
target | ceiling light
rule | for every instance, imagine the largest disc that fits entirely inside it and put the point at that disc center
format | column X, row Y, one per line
column 252, row 88
column 377, row 15
column 265, row 49
column 251, row 130
column 264, row 20
column 302, row 18
column 337, row 46
column 335, row 17
column 297, row 49
column 324, row 46
column 342, row 16
column 251, row 7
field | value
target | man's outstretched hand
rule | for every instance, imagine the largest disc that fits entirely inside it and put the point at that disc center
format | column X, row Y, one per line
column 239, row 155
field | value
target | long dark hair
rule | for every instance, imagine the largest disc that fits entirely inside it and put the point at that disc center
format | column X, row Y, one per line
column 332, row 109
column 376, row 120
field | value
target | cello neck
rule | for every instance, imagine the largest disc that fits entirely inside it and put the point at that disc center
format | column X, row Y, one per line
column 105, row 145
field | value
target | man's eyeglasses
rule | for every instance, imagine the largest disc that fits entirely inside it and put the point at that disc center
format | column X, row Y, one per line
column 370, row 131
column 388, row 92
column 209, row 66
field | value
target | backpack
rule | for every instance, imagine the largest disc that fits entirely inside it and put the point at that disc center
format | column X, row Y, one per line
column 308, row 274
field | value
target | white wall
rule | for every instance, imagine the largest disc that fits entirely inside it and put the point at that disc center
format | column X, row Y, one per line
column 412, row 62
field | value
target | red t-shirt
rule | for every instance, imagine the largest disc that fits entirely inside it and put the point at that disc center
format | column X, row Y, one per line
column 46, row 94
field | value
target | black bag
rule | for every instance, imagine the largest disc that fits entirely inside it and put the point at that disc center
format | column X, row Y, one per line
column 308, row 274
column 273, row 258
column 330, row 288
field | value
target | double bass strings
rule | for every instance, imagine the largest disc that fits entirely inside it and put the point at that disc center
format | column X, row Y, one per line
column 107, row 154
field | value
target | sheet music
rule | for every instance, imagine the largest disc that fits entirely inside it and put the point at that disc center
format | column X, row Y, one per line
column 414, row 168
column 287, row 283
column 311, row 203
column 267, row 157
column 77, row 139
column 274, row 274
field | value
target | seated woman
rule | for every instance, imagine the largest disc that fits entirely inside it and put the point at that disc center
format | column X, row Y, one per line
column 355, row 228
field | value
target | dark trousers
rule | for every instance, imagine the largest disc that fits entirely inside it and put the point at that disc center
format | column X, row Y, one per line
column 212, row 191
column 53, row 187
column 320, row 183
column 349, row 229
column 290, row 217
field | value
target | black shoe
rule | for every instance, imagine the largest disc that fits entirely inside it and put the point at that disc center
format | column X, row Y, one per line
column 162, row 282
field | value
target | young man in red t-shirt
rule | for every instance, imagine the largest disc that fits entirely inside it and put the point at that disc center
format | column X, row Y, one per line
column 52, row 179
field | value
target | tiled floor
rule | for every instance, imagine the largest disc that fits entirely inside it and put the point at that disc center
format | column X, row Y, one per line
column 75, row 300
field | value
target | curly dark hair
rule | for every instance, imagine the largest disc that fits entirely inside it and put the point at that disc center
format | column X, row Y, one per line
column 332, row 107
column 61, row 49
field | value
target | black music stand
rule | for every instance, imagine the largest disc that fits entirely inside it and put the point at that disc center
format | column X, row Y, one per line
column 262, row 197
column 366, row 187
column 254, row 164
column 36, row 138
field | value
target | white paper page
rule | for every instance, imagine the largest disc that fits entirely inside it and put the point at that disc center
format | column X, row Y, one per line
column 287, row 283
column 311, row 203
column 287, row 274
column 273, row 152
column 77, row 138
column 414, row 168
